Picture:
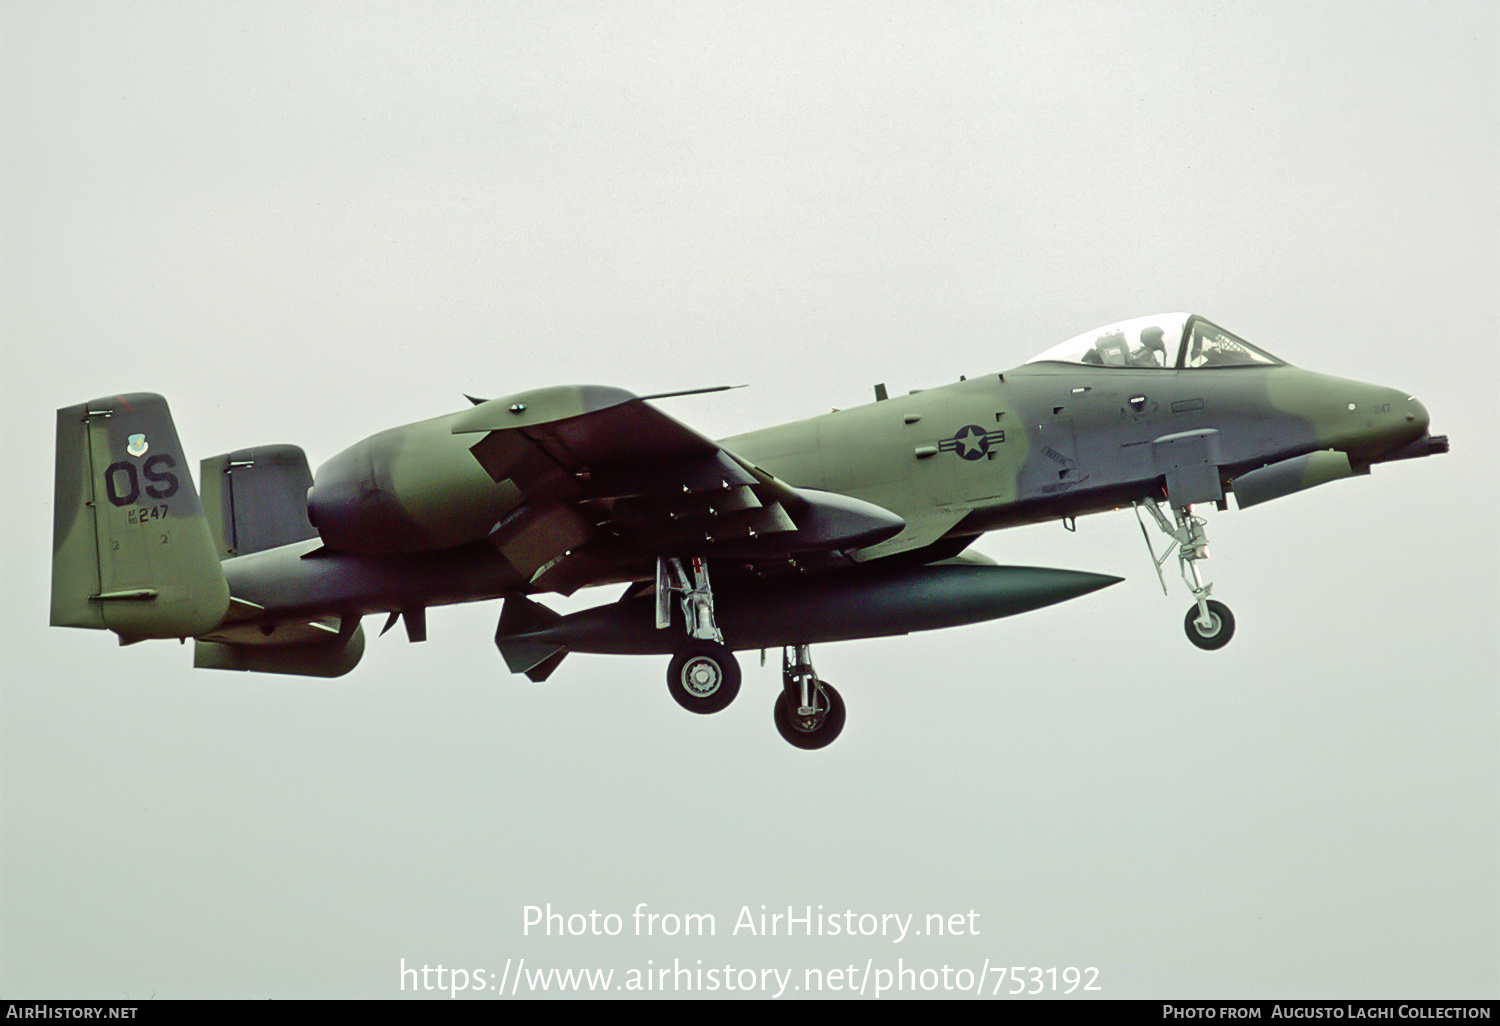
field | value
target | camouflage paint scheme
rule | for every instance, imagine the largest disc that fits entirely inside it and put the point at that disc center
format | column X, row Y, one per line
column 571, row 486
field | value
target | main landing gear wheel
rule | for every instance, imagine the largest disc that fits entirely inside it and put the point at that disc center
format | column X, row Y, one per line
column 816, row 730
column 704, row 677
column 1215, row 636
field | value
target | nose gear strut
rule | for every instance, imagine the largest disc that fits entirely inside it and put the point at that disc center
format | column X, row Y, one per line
column 1209, row 623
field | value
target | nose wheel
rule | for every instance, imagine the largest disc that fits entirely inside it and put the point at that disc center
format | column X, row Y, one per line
column 1217, row 632
column 1209, row 623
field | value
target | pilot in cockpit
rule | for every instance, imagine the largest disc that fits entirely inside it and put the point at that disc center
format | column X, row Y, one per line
column 1115, row 350
column 1153, row 351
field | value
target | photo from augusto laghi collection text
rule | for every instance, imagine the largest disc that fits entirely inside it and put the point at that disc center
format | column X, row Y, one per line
column 989, row 975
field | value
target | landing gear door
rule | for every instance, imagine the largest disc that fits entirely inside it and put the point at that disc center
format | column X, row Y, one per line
column 1190, row 460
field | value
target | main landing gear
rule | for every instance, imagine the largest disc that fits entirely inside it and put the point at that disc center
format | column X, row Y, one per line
column 704, row 675
column 1209, row 623
column 809, row 712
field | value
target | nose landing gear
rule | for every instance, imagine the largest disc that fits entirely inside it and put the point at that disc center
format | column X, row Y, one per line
column 1209, row 623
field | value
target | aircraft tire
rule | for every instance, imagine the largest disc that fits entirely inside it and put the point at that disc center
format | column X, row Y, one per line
column 1223, row 626
column 703, row 677
column 821, row 732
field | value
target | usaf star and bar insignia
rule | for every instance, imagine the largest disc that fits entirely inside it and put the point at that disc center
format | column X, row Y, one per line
column 972, row 442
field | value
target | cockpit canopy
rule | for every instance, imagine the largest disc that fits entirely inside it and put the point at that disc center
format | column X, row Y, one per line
column 1159, row 342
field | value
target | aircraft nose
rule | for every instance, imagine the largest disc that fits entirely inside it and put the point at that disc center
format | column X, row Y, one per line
column 1368, row 422
column 1415, row 414
column 1383, row 420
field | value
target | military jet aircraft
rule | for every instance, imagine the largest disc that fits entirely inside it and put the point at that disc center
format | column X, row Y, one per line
column 852, row 524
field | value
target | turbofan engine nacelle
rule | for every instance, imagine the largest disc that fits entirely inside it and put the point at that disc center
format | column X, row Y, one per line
column 411, row 489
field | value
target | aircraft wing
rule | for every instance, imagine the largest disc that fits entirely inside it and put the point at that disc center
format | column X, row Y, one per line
column 606, row 478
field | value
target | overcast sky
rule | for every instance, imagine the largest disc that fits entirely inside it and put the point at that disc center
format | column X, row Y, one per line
column 306, row 222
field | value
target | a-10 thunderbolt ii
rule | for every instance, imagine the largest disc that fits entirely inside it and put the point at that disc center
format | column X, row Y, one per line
column 852, row 524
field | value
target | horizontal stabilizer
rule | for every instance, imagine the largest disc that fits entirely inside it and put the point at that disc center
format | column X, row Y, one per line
column 332, row 658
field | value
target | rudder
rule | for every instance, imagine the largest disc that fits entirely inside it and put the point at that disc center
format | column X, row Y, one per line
column 256, row 499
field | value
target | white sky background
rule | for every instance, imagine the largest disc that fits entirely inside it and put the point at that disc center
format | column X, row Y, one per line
column 308, row 222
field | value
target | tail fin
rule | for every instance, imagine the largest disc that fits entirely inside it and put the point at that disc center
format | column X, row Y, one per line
column 256, row 499
column 518, row 617
column 131, row 549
